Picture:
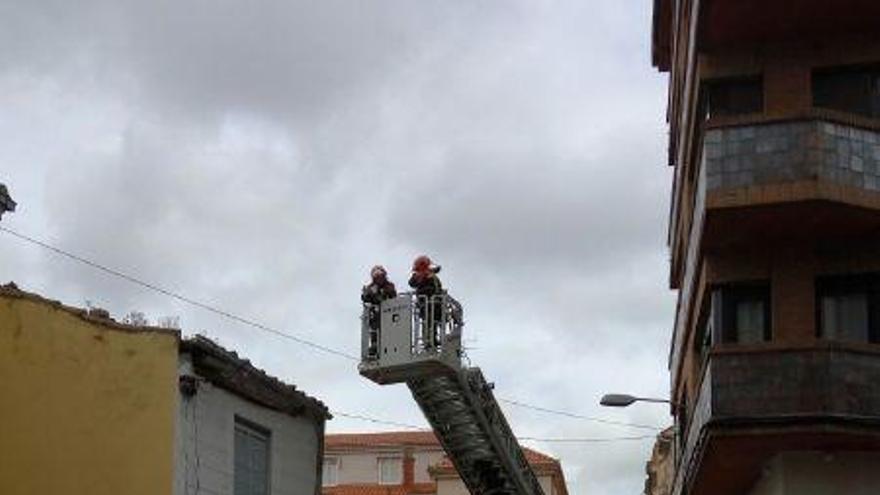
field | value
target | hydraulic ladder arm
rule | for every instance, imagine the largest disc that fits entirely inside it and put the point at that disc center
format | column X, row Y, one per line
column 418, row 342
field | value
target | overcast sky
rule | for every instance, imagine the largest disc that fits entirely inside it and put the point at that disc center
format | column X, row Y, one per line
column 261, row 156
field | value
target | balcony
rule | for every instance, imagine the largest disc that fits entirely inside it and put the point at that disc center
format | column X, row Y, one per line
column 755, row 401
column 754, row 155
column 790, row 180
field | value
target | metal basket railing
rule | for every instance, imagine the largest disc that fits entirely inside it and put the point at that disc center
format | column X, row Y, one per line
column 436, row 323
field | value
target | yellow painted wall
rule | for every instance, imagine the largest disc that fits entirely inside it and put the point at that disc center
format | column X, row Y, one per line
column 85, row 408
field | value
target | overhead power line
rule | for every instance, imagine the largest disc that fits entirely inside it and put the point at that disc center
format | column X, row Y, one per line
column 577, row 416
column 180, row 297
column 532, row 439
column 265, row 328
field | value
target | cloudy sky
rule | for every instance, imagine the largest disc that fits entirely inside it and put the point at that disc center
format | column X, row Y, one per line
column 261, row 156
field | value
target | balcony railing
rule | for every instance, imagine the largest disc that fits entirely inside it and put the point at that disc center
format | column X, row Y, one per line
column 778, row 386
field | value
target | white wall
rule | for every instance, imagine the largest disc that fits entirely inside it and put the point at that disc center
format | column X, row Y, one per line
column 359, row 467
column 455, row 486
column 363, row 467
column 205, row 439
column 820, row 473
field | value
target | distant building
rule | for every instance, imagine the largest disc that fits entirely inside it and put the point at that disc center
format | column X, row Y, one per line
column 774, row 233
column 661, row 468
column 242, row 432
column 408, row 463
column 94, row 407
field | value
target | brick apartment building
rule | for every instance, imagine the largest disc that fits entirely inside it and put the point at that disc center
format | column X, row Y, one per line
column 408, row 463
column 774, row 232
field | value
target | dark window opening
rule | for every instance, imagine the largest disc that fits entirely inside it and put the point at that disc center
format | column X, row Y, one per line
column 848, row 308
column 729, row 97
column 852, row 90
column 741, row 313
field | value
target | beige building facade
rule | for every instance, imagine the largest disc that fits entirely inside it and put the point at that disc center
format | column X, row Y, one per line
column 408, row 463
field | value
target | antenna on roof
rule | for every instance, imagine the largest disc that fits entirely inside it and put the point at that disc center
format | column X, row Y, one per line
column 6, row 202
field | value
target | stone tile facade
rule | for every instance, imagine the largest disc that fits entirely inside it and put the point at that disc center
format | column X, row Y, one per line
column 751, row 155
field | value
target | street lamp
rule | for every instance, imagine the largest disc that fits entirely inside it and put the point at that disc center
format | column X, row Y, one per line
column 623, row 400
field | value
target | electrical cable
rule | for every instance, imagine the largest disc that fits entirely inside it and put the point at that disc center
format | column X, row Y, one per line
column 254, row 324
column 179, row 297
column 576, row 416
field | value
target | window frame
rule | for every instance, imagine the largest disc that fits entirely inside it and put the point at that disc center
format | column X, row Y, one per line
column 726, row 298
column 708, row 95
column 871, row 73
column 328, row 461
column 850, row 284
column 257, row 431
column 389, row 458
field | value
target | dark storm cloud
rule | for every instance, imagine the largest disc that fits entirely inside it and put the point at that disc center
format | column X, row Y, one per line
column 260, row 157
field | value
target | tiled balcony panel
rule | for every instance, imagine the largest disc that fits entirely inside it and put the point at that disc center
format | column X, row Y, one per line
column 768, row 153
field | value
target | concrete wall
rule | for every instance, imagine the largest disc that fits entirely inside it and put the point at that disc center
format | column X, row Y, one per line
column 205, row 439
column 820, row 473
column 87, row 408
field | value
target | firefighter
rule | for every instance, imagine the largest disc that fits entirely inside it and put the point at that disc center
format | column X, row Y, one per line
column 379, row 289
column 429, row 300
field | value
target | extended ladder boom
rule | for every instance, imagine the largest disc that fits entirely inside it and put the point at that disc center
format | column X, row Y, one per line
column 418, row 341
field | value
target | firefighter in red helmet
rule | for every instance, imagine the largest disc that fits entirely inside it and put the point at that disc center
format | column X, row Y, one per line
column 429, row 300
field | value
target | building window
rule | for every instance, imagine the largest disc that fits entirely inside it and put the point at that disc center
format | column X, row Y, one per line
column 251, row 470
column 390, row 470
column 852, row 90
column 741, row 313
column 330, row 473
column 849, row 308
column 729, row 97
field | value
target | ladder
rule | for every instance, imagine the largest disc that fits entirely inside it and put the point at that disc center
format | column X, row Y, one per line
column 417, row 340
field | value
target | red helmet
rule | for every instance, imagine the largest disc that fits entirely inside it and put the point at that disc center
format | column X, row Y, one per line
column 422, row 264
column 378, row 272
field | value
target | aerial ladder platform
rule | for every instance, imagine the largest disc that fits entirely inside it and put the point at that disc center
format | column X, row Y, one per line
column 417, row 340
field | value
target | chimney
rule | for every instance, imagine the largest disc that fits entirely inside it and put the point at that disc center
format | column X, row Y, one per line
column 409, row 475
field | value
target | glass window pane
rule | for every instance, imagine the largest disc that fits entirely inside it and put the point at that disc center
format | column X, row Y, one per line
column 736, row 97
column 851, row 90
column 330, row 475
column 845, row 317
column 390, row 470
column 750, row 321
column 251, row 461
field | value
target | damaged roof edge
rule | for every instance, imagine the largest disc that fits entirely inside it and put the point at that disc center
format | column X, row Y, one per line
column 92, row 315
column 225, row 369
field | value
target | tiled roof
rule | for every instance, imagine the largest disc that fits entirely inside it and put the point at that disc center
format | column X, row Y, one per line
column 376, row 489
column 542, row 465
column 384, row 439
column 227, row 370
